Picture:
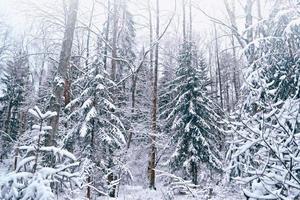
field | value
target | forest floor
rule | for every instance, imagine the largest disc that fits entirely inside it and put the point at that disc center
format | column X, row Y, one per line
column 137, row 189
column 138, row 192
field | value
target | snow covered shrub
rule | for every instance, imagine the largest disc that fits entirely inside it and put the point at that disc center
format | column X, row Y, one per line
column 265, row 153
column 34, row 176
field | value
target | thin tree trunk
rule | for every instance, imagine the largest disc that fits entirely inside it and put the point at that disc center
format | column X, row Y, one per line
column 88, row 192
column 210, row 70
column 151, row 41
column 183, row 22
column 260, row 29
column 249, row 19
column 152, row 156
column 133, row 91
column 89, row 35
column 16, row 158
column 38, row 147
column 107, row 35
column 249, row 30
column 89, row 179
column 114, row 41
column 218, row 67
column 194, row 169
column 236, row 76
column 191, row 22
column 8, row 117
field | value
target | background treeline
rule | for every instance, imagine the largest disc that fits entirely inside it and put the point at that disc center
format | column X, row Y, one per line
column 88, row 106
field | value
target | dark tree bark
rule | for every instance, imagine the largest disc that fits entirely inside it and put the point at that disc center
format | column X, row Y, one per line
column 194, row 170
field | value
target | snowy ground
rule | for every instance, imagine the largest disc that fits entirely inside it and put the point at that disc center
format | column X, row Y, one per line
column 140, row 193
column 128, row 192
column 137, row 189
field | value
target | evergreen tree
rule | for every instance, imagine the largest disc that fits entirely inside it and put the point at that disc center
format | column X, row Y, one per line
column 97, row 128
column 191, row 118
column 15, row 82
column 33, row 177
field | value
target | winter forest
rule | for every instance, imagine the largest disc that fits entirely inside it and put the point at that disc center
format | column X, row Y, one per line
column 149, row 99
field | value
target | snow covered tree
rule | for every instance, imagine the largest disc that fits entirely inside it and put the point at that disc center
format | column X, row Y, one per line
column 33, row 177
column 15, row 82
column 265, row 150
column 119, row 31
column 191, row 118
column 96, row 127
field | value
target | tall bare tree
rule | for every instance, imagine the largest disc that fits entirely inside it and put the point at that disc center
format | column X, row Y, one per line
column 114, row 40
column 152, row 155
column 106, row 35
column 62, row 82
column 218, row 71
column 230, row 8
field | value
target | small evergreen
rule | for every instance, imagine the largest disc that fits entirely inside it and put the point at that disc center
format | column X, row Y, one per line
column 35, row 178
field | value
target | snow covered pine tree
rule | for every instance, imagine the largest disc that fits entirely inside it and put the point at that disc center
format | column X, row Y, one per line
column 34, row 177
column 191, row 118
column 97, row 129
column 16, row 83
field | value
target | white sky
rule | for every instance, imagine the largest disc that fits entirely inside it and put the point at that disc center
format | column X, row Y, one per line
column 16, row 13
column 13, row 10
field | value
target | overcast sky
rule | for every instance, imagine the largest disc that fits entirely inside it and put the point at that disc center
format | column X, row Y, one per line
column 16, row 13
column 13, row 10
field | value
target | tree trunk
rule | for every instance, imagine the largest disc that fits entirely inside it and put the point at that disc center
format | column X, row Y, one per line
column 210, row 55
column 152, row 156
column 7, row 121
column 89, row 35
column 236, row 75
column 218, row 67
column 88, row 192
column 133, row 90
column 183, row 22
column 249, row 31
column 249, row 19
column 107, row 35
column 61, row 84
column 194, row 173
column 114, row 42
column 151, row 41
column 191, row 22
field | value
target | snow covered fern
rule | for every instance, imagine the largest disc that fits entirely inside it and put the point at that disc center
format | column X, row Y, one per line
column 34, row 177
